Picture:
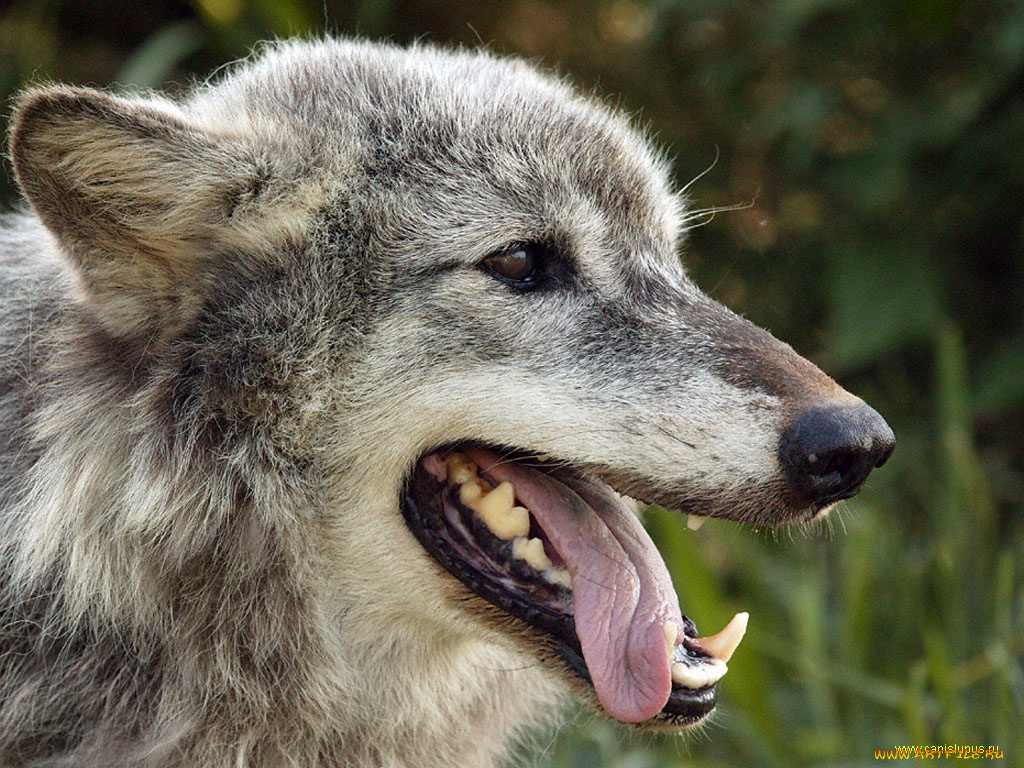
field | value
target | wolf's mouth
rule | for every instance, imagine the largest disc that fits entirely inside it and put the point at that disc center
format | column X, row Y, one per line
column 562, row 552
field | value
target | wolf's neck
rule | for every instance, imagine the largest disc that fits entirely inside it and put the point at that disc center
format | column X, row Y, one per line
column 203, row 614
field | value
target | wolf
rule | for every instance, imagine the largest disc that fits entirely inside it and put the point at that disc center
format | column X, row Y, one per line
column 321, row 388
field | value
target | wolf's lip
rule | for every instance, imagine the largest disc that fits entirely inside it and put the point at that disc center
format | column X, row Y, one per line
column 626, row 642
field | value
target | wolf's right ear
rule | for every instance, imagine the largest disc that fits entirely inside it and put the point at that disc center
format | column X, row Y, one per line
column 137, row 197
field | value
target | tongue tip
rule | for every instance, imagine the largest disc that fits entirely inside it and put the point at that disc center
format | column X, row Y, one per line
column 651, row 666
column 633, row 709
column 634, row 714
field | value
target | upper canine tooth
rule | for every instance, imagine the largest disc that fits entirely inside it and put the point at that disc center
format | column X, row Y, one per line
column 722, row 645
column 532, row 551
column 498, row 511
column 635, row 505
column 694, row 522
column 671, row 633
column 461, row 469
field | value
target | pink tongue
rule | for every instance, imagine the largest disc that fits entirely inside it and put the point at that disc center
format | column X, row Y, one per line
column 622, row 592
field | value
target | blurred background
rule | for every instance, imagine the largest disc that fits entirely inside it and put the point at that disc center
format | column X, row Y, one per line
column 877, row 152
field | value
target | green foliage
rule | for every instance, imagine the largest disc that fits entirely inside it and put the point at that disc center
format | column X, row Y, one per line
column 879, row 145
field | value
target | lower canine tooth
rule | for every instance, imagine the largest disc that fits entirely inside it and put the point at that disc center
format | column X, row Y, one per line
column 700, row 675
column 532, row 551
column 722, row 645
column 498, row 512
column 694, row 522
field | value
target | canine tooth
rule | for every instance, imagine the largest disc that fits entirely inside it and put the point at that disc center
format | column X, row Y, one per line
column 498, row 511
column 671, row 633
column 558, row 576
column 700, row 675
column 694, row 522
column 722, row 645
column 460, row 468
column 470, row 492
column 635, row 505
column 532, row 551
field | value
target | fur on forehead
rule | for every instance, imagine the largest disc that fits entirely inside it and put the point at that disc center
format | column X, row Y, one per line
column 427, row 117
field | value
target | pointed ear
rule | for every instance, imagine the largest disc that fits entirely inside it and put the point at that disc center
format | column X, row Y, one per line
column 138, row 199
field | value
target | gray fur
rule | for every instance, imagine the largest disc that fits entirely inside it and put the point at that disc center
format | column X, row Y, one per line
column 229, row 327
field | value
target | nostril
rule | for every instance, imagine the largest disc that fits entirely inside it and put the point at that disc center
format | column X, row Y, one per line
column 836, row 462
column 828, row 451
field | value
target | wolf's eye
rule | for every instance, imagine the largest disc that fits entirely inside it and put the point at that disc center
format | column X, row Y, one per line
column 518, row 265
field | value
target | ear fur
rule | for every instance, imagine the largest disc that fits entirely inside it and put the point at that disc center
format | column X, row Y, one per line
column 137, row 198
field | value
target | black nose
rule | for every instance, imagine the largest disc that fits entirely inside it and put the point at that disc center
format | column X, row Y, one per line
column 829, row 451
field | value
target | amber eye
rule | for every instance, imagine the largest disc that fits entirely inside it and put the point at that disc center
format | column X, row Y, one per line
column 516, row 264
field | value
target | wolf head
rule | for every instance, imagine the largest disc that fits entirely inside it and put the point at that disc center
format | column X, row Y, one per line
column 366, row 277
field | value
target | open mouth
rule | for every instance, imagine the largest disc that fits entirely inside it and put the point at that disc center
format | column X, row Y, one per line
column 561, row 551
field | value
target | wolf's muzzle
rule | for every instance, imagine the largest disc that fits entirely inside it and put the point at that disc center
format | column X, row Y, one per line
column 829, row 451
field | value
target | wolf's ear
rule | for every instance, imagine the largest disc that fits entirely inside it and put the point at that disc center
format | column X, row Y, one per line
column 138, row 198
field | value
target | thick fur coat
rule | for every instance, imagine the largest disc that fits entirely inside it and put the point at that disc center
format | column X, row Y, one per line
column 230, row 324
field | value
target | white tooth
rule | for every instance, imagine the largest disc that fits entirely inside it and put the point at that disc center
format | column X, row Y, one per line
column 460, row 468
column 694, row 522
column 470, row 492
column 498, row 512
column 700, row 675
column 532, row 551
column 722, row 645
column 671, row 633
column 636, row 507
column 559, row 576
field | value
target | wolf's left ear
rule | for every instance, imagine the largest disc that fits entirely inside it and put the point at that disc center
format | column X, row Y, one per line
column 137, row 197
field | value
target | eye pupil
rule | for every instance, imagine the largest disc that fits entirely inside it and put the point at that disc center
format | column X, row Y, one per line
column 516, row 263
